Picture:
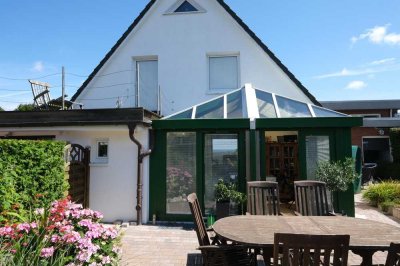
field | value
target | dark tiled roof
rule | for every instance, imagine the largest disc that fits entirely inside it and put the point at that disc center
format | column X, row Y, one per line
column 234, row 16
column 86, row 117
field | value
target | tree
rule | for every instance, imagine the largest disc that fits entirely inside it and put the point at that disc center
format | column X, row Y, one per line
column 1, row 109
column 25, row 107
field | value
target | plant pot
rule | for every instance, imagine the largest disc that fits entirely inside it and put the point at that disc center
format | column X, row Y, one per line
column 222, row 209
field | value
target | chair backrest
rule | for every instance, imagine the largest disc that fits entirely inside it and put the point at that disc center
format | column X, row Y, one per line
column 263, row 198
column 311, row 199
column 200, row 227
column 41, row 94
column 393, row 257
column 299, row 249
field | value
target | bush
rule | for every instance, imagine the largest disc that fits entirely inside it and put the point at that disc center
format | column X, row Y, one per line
column 394, row 135
column 32, row 175
column 386, row 191
column 65, row 234
column 337, row 175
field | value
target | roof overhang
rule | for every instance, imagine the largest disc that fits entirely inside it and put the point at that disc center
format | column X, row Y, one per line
column 382, row 122
column 86, row 117
column 362, row 104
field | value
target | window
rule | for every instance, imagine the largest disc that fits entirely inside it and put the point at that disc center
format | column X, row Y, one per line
column 101, row 151
column 186, row 7
column 147, row 84
column 223, row 72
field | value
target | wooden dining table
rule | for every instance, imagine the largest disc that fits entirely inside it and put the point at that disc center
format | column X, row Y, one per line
column 257, row 231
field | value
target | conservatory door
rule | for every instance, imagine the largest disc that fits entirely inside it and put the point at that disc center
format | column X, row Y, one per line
column 220, row 162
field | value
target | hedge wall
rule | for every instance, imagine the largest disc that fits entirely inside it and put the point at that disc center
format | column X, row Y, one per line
column 31, row 174
column 394, row 135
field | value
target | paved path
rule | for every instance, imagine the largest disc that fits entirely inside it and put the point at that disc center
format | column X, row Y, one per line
column 170, row 245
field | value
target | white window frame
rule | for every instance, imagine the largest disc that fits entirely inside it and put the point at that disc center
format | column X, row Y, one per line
column 219, row 55
column 171, row 10
column 97, row 158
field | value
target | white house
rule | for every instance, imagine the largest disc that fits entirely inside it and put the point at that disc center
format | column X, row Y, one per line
column 175, row 54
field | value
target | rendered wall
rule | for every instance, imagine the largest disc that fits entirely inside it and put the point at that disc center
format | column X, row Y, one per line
column 181, row 43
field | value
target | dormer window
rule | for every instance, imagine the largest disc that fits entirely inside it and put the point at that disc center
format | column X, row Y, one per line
column 185, row 6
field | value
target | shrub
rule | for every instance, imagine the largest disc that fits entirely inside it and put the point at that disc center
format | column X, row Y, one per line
column 65, row 234
column 337, row 175
column 33, row 170
column 386, row 191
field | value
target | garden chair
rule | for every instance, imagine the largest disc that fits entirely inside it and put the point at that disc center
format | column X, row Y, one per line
column 263, row 198
column 41, row 97
column 300, row 249
column 216, row 254
column 393, row 257
column 311, row 198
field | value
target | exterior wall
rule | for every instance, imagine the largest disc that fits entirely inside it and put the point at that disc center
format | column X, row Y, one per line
column 357, row 133
column 182, row 42
column 112, row 188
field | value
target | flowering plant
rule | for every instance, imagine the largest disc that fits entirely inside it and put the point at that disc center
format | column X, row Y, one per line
column 66, row 234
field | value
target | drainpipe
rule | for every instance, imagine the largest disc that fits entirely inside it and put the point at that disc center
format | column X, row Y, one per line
column 140, row 156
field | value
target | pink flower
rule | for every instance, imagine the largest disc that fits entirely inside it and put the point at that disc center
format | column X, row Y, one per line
column 97, row 215
column 84, row 256
column 33, row 225
column 106, row 260
column 71, row 237
column 6, row 231
column 55, row 238
column 47, row 252
column 39, row 211
column 110, row 232
column 86, row 223
column 24, row 227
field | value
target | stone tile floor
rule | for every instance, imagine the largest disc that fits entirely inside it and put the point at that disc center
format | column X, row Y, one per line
column 176, row 245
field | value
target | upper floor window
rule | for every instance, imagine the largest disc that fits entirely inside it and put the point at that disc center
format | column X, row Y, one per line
column 185, row 6
column 223, row 72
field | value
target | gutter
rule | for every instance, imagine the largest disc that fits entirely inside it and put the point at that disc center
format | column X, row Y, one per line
column 140, row 156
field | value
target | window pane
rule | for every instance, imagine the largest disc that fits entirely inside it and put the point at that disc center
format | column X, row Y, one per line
column 181, row 170
column 234, row 105
column 183, row 115
column 292, row 108
column 266, row 107
column 102, row 149
column 186, row 7
column 223, row 72
column 220, row 162
column 317, row 150
column 322, row 112
column 147, row 81
column 213, row 109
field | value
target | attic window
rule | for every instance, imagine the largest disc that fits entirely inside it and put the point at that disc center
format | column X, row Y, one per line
column 186, row 7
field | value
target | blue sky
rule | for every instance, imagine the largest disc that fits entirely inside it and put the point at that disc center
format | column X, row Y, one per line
column 340, row 50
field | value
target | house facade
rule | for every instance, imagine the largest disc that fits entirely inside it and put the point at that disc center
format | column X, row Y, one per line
column 378, row 116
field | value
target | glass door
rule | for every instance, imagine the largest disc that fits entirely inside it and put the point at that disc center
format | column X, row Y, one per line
column 220, row 162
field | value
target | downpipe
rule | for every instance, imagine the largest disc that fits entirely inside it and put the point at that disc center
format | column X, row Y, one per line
column 140, row 156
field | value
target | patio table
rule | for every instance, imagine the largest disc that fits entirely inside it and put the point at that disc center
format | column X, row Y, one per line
column 257, row 231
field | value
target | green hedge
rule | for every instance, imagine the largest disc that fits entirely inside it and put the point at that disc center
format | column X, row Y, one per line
column 394, row 135
column 31, row 175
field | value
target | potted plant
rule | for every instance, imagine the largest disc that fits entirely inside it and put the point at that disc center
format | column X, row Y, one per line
column 225, row 192
column 337, row 175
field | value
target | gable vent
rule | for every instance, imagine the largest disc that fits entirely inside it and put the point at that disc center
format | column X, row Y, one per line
column 186, row 7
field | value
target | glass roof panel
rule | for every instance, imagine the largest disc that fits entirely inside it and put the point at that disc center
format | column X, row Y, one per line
column 212, row 109
column 234, row 105
column 292, row 108
column 322, row 112
column 266, row 107
column 183, row 115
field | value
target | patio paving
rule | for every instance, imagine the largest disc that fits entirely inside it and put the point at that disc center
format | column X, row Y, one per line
column 176, row 245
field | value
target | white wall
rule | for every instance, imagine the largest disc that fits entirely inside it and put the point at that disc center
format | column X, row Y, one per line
column 113, row 185
column 181, row 43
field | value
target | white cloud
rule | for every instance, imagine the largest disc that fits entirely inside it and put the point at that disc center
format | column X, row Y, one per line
column 38, row 66
column 378, row 35
column 383, row 61
column 356, row 85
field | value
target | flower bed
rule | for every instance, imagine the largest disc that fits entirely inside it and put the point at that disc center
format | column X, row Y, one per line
column 66, row 234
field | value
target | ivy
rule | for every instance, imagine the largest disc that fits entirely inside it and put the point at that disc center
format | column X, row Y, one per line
column 31, row 175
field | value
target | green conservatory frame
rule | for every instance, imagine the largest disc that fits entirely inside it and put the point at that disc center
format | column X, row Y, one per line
column 251, row 136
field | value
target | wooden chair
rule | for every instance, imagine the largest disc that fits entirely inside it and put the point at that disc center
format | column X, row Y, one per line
column 263, row 198
column 311, row 199
column 216, row 254
column 300, row 249
column 393, row 257
column 41, row 97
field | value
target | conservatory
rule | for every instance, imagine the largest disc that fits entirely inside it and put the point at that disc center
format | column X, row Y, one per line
column 247, row 134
